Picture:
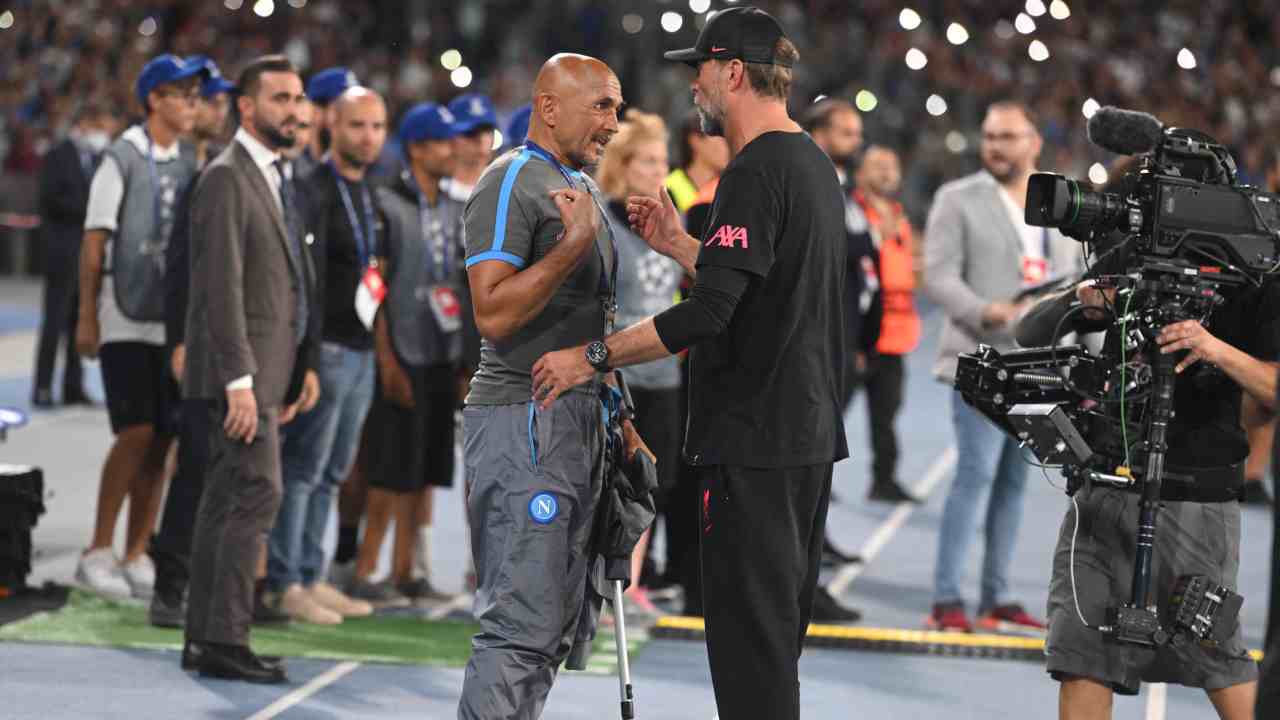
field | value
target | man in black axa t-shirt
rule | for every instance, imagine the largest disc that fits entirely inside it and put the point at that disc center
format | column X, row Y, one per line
column 765, row 324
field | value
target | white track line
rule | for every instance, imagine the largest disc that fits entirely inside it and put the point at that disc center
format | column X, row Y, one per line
column 318, row 683
column 1157, row 697
column 883, row 534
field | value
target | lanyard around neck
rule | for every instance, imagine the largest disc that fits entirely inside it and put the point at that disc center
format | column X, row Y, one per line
column 363, row 234
column 609, row 282
column 436, row 259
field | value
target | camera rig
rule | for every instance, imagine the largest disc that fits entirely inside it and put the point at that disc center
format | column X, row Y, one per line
column 1193, row 237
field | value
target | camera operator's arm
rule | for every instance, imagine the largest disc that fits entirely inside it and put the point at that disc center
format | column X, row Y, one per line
column 1254, row 414
column 1256, row 377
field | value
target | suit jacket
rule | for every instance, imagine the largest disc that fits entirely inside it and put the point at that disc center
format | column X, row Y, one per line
column 241, row 314
column 64, row 194
column 972, row 257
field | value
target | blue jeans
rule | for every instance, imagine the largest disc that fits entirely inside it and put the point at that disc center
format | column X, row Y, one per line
column 318, row 451
column 986, row 459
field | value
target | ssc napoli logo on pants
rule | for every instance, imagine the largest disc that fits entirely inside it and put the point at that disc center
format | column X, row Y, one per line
column 543, row 508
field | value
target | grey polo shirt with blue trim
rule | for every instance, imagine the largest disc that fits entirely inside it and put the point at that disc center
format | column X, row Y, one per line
column 511, row 218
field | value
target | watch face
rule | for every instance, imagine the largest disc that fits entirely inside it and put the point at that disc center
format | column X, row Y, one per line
column 597, row 353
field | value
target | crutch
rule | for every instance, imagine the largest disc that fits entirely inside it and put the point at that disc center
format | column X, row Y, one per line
column 625, row 691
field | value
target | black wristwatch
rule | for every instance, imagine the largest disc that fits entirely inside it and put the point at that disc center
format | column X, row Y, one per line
column 598, row 356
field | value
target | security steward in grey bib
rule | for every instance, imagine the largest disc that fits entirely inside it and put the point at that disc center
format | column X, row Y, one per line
column 410, row 431
column 766, row 327
column 542, row 270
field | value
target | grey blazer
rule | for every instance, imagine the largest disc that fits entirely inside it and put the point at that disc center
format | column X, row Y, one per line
column 241, row 313
column 973, row 256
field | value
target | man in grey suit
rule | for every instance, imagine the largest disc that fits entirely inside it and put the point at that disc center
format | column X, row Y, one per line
column 979, row 256
column 246, row 324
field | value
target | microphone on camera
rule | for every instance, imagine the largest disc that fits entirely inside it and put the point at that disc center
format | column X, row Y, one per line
column 1125, row 132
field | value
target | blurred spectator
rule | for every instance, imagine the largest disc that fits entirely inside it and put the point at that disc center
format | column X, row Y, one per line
column 410, row 429
column 979, row 255
column 879, row 179
column 319, row 448
column 473, row 148
column 131, row 211
column 518, row 129
column 64, row 196
column 78, row 48
column 635, row 163
column 704, row 157
column 322, row 89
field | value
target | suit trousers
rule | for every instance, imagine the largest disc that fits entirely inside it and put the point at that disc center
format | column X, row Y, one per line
column 241, row 496
column 61, row 289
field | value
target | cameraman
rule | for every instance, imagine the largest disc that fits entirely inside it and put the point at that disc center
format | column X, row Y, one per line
column 1197, row 532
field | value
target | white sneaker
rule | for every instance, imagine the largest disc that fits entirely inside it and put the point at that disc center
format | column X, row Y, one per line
column 328, row 596
column 140, row 573
column 99, row 572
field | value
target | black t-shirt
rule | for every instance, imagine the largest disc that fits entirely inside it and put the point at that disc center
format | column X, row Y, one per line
column 1205, row 430
column 343, row 268
column 766, row 391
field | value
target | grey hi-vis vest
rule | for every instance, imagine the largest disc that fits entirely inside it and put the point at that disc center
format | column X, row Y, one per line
column 415, row 237
column 143, row 227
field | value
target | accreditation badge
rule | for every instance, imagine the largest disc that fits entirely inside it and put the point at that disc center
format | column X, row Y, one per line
column 369, row 295
column 446, row 307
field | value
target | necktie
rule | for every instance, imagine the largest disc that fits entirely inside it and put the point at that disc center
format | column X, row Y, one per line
column 293, row 227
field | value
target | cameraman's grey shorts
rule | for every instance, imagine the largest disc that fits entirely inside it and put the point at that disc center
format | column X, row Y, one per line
column 1191, row 539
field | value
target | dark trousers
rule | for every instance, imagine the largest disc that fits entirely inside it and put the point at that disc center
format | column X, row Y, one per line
column 883, row 382
column 171, row 547
column 1273, row 612
column 762, row 533
column 660, row 422
column 241, row 496
column 1269, row 684
column 61, row 290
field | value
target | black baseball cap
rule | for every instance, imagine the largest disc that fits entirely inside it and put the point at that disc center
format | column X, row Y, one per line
column 744, row 33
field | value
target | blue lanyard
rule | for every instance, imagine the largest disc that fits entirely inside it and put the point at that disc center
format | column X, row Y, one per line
column 1044, row 238
column 437, row 242
column 362, row 233
column 155, row 185
column 609, row 282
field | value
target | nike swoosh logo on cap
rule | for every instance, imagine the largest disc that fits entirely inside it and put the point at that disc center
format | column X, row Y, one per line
column 717, row 49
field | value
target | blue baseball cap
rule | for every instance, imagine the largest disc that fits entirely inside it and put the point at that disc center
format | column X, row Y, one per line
column 518, row 130
column 325, row 86
column 162, row 70
column 427, row 121
column 214, row 83
column 473, row 111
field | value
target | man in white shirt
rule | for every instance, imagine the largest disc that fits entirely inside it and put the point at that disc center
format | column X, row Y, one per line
column 248, row 345
column 980, row 254
column 131, row 210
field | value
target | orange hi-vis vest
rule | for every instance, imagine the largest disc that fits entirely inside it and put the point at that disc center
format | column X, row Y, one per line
column 900, row 324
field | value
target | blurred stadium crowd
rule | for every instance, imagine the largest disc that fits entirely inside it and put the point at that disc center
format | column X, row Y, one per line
column 1205, row 63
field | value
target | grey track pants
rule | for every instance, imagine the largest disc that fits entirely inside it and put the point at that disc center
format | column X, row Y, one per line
column 533, row 479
